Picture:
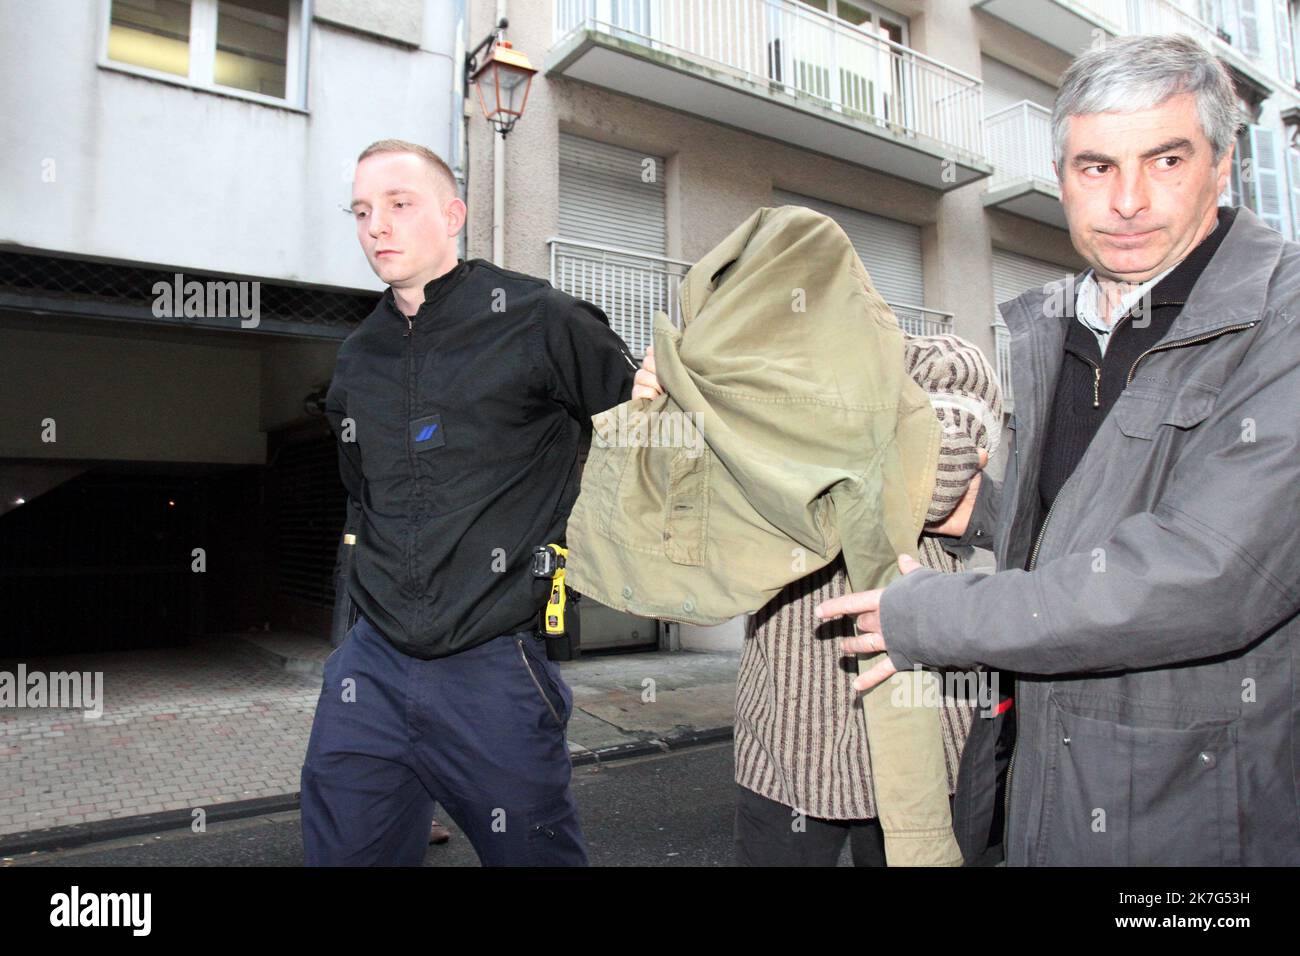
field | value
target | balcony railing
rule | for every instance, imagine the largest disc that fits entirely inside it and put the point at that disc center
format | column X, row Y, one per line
column 1251, row 54
column 1020, row 145
column 630, row 287
column 1165, row 16
column 1002, row 346
column 918, row 320
column 787, row 47
column 1112, row 12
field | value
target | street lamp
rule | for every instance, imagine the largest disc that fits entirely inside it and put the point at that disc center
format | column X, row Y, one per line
column 503, row 79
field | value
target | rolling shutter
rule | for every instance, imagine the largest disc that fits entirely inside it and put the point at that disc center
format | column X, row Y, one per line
column 312, row 507
column 1012, row 275
column 605, row 196
column 890, row 250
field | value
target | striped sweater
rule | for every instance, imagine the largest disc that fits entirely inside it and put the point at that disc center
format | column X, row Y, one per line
column 800, row 738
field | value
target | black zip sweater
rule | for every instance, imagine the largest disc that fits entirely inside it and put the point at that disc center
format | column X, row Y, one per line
column 1089, row 383
column 458, row 434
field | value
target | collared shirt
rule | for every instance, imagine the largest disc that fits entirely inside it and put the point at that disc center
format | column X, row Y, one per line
column 1088, row 305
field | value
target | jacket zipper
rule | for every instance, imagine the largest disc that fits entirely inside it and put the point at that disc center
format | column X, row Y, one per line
column 410, row 453
column 1033, row 555
column 1199, row 338
column 523, row 655
column 1015, row 746
column 1096, row 369
column 1033, row 561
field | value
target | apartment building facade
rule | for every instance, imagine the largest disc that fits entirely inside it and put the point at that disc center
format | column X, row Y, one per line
column 213, row 139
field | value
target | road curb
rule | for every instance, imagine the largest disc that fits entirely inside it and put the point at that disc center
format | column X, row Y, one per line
column 101, row 831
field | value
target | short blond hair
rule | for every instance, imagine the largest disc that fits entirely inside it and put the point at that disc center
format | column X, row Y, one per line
column 439, row 166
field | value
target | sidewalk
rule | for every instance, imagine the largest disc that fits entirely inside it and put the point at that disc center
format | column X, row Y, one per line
column 228, row 721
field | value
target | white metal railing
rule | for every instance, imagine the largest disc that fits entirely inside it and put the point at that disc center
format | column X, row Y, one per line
column 1002, row 348
column 796, row 50
column 628, row 286
column 1170, row 16
column 918, row 320
column 1020, row 144
column 1114, row 13
column 1165, row 16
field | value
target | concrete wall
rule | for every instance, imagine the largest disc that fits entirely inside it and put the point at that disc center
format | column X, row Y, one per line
column 290, row 371
column 151, row 394
column 148, row 397
column 102, row 163
column 400, row 20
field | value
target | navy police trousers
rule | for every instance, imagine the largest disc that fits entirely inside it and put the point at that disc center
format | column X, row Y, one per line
column 481, row 732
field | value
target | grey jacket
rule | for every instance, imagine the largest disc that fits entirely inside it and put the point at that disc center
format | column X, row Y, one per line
column 1157, row 634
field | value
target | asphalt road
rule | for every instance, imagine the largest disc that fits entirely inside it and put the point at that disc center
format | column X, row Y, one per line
column 669, row 810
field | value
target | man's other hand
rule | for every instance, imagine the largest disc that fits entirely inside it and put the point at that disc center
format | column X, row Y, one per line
column 955, row 523
column 646, row 384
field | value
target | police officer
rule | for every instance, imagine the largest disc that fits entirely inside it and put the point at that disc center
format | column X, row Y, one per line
column 458, row 406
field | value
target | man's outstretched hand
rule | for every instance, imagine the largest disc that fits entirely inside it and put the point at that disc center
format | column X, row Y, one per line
column 646, row 384
column 866, row 605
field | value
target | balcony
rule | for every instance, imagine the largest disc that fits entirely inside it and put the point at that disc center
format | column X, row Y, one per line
column 630, row 287
column 784, row 71
column 1074, row 25
column 1069, row 25
column 1020, row 147
column 1233, row 41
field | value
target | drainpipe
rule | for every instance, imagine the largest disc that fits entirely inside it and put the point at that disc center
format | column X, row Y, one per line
column 459, row 133
column 304, row 50
column 499, row 181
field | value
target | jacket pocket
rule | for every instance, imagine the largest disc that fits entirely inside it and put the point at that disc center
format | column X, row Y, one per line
column 607, row 459
column 686, row 521
column 1163, row 793
column 557, row 701
column 1142, row 411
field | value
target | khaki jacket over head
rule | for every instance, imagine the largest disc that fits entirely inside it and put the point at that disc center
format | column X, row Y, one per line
column 789, row 432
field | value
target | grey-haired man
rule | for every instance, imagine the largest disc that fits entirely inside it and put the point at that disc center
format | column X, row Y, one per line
column 1146, row 530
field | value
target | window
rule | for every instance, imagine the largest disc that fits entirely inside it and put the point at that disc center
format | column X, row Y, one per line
column 1293, row 37
column 848, row 71
column 1235, row 21
column 250, row 46
column 151, row 33
column 1283, row 34
column 1260, row 190
column 1293, row 183
column 873, row 19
